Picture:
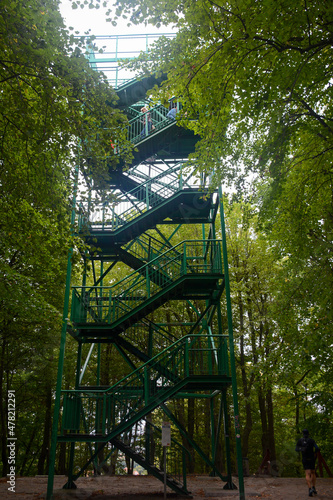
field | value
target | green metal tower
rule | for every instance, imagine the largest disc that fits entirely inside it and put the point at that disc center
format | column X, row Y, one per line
column 139, row 233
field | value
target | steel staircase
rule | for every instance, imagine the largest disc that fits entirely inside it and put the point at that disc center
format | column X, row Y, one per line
column 190, row 270
column 135, row 90
column 196, row 362
column 171, row 481
column 102, row 415
column 139, row 224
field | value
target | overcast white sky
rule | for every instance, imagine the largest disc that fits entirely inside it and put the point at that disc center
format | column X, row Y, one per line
column 83, row 20
column 95, row 20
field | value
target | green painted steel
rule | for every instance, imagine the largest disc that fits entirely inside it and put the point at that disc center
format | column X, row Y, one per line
column 109, row 305
column 191, row 361
column 232, row 356
column 62, row 348
column 138, row 222
column 138, row 199
column 193, row 444
column 117, row 49
column 175, row 459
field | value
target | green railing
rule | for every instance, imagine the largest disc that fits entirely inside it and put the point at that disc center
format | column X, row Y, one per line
column 145, row 124
column 107, row 304
column 149, row 337
column 118, row 49
column 148, row 444
column 147, row 248
column 114, row 410
column 149, row 194
column 150, row 122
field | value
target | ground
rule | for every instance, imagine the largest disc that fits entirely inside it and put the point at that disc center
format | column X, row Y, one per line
column 149, row 488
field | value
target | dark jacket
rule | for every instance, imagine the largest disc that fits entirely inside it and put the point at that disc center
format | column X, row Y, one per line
column 308, row 447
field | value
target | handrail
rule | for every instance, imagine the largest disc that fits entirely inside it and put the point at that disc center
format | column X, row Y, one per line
column 146, row 247
column 108, row 61
column 187, row 339
column 149, row 194
column 151, row 121
column 114, row 301
column 141, row 330
column 152, row 383
column 134, row 273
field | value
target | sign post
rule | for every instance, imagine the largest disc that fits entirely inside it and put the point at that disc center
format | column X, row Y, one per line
column 166, row 441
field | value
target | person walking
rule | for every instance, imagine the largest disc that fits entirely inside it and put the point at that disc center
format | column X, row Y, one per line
column 308, row 447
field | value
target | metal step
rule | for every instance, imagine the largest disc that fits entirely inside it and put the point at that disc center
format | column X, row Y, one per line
column 158, row 473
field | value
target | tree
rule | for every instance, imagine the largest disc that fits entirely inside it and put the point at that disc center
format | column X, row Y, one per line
column 254, row 273
column 267, row 68
column 254, row 81
column 282, row 365
column 53, row 108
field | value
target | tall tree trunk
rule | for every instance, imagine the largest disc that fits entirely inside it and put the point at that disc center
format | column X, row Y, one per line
column 28, row 448
column 263, row 418
column 44, row 454
column 3, row 413
column 248, row 414
column 208, row 432
column 150, row 439
column 114, row 458
column 220, row 449
column 270, row 422
column 127, row 440
column 62, row 469
column 296, row 410
column 246, row 385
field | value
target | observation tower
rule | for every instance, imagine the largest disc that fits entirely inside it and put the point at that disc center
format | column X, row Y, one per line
column 151, row 315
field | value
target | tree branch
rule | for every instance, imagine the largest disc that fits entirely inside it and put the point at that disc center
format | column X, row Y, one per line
column 303, row 377
column 315, row 115
column 286, row 46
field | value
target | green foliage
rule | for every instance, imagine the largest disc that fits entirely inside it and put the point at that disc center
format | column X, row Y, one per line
column 277, row 348
column 53, row 108
column 251, row 82
column 254, row 80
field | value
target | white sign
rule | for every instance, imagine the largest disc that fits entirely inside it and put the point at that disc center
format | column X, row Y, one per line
column 166, row 434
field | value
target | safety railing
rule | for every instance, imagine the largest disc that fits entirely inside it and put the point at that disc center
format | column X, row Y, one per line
column 149, row 338
column 148, row 122
column 151, row 121
column 150, row 194
column 147, row 248
column 162, row 174
column 107, row 304
column 118, row 408
column 118, row 49
column 147, row 443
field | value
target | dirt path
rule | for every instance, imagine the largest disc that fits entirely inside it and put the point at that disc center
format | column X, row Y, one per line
column 149, row 488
